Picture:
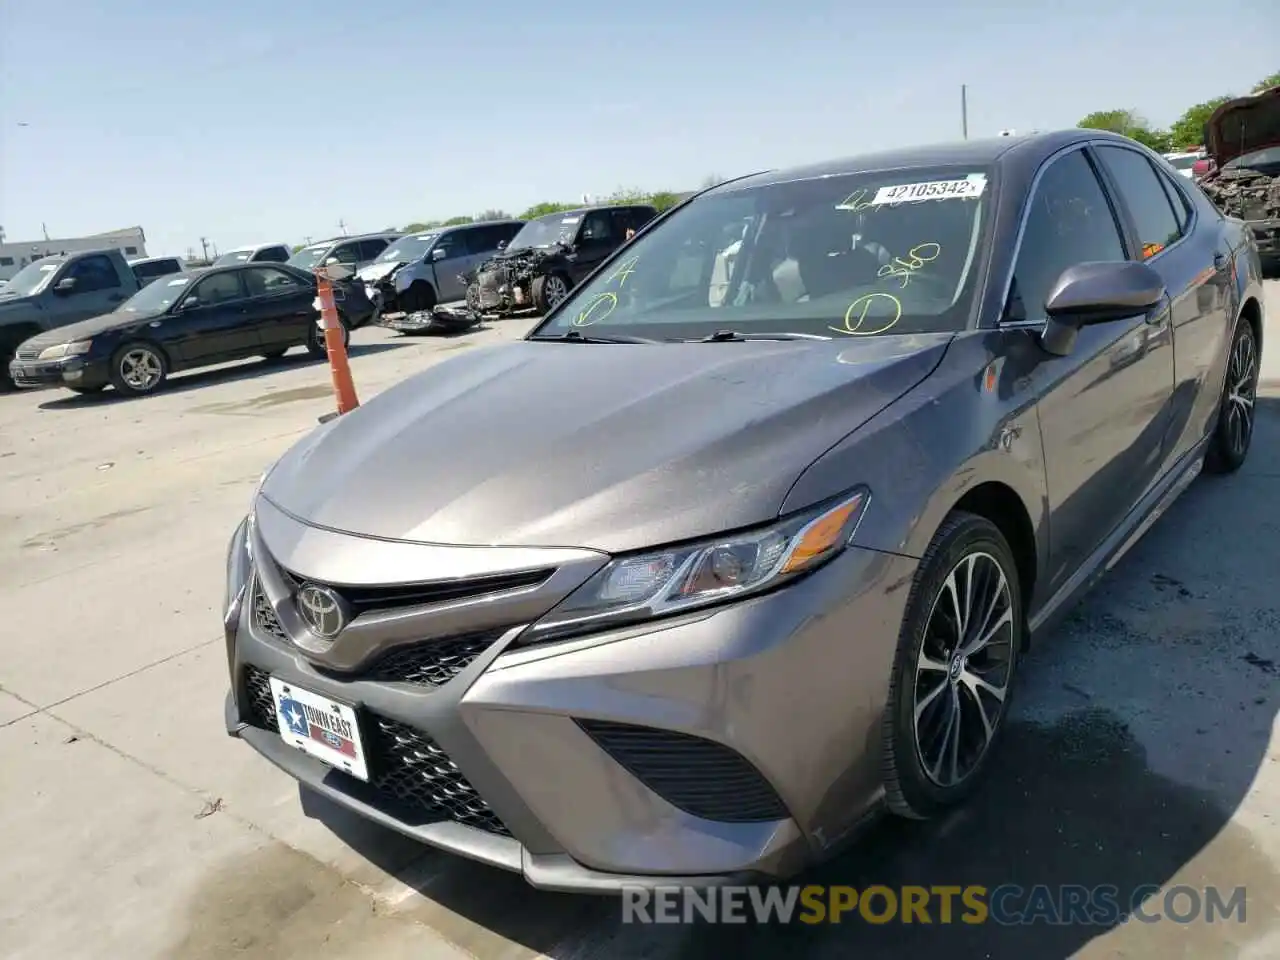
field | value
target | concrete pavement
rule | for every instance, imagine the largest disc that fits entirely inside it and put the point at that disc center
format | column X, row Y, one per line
column 1146, row 748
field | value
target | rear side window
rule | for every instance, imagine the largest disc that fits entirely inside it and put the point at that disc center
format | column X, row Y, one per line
column 271, row 255
column 1181, row 205
column 267, row 282
column 1139, row 186
column 1069, row 221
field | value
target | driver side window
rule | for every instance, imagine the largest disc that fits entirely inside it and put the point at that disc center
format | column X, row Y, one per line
column 1069, row 221
column 597, row 227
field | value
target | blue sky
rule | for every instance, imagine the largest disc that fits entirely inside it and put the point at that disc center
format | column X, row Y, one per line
column 253, row 121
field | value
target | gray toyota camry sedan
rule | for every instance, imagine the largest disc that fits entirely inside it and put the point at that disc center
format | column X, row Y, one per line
column 743, row 543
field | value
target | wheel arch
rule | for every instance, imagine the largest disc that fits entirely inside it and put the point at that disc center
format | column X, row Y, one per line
column 1251, row 311
column 1001, row 505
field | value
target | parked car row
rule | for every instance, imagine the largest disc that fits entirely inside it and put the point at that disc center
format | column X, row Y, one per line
column 84, row 332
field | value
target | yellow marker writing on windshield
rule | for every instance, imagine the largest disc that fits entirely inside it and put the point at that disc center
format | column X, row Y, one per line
column 599, row 307
column 856, row 315
column 856, row 201
column 902, row 268
column 627, row 268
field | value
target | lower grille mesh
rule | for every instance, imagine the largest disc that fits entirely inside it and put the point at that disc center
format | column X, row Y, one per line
column 407, row 768
column 700, row 777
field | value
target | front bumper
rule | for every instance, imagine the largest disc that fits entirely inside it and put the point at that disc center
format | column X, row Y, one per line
column 80, row 372
column 718, row 746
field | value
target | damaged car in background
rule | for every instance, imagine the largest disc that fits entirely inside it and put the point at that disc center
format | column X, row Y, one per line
column 1243, row 141
column 551, row 255
column 421, row 270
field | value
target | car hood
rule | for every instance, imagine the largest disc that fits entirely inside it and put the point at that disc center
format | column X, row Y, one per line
column 1243, row 125
column 84, row 329
column 15, row 304
column 376, row 271
column 606, row 446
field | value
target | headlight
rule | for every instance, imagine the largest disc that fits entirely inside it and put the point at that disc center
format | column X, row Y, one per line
column 66, row 350
column 239, row 565
column 726, row 568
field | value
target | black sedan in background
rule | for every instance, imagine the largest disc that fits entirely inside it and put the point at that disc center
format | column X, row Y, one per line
column 177, row 323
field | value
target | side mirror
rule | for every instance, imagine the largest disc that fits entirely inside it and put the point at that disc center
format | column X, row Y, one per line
column 65, row 285
column 189, row 304
column 439, row 253
column 502, row 244
column 331, row 261
column 1089, row 293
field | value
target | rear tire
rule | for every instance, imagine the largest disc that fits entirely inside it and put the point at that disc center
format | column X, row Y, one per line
column 1233, row 433
column 954, row 670
column 138, row 368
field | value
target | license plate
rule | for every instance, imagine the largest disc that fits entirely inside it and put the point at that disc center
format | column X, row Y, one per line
column 320, row 727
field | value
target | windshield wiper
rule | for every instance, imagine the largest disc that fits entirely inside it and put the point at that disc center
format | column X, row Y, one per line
column 577, row 336
column 733, row 336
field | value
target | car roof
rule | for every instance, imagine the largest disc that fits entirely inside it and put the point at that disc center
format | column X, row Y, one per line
column 1026, row 150
column 252, row 247
column 136, row 260
column 467, row 226
column 378, row 235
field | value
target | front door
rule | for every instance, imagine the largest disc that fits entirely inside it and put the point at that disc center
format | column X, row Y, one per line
column 451, row 256
column 96, row 289
column 598, row 237
column 1200, row 286
column 1104, row 407
column 281, row 308
column 212, row 322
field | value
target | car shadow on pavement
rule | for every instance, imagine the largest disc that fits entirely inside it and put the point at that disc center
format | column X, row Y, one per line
column 194, row 380
column 1141, row 724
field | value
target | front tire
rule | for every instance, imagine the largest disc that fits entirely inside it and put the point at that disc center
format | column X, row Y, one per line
column 138, row 368
column 316, row 345
column 548, row 290
column 953, row 674
column 1233, row 433
column 419, row 297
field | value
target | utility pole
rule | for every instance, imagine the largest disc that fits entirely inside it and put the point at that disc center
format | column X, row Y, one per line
column 964, row 111
column 45, row 231
column 204, row 249
column 342, row 225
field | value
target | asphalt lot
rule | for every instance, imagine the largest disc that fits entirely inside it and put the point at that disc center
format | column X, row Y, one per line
column 1146, row 747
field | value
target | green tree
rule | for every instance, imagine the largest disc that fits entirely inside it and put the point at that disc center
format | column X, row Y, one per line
column 664, row 200
column 544, row 208
column 457, row 221
column 1188, row 129
column 628, row 195
column 493, row 214
column 1128, row 123
column 419, row 227
column 1267, row 83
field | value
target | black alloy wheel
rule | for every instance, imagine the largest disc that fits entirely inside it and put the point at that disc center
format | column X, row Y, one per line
column 953, row 676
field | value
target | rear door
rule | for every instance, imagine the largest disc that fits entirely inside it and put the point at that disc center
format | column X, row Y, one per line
column 212, row 323
column 281, row 307
column 1173, row 241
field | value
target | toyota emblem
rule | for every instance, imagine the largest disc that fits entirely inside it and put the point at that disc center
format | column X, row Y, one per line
column 322, row 610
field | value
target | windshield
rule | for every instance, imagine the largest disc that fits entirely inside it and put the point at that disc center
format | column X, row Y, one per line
column 156, row 296
column 849, row 256
column 1263, row 161
column 407, row 249
column 546, row 231
column 308, row 257
column 233, row 256
column 31, row 279
column 1184, row 163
